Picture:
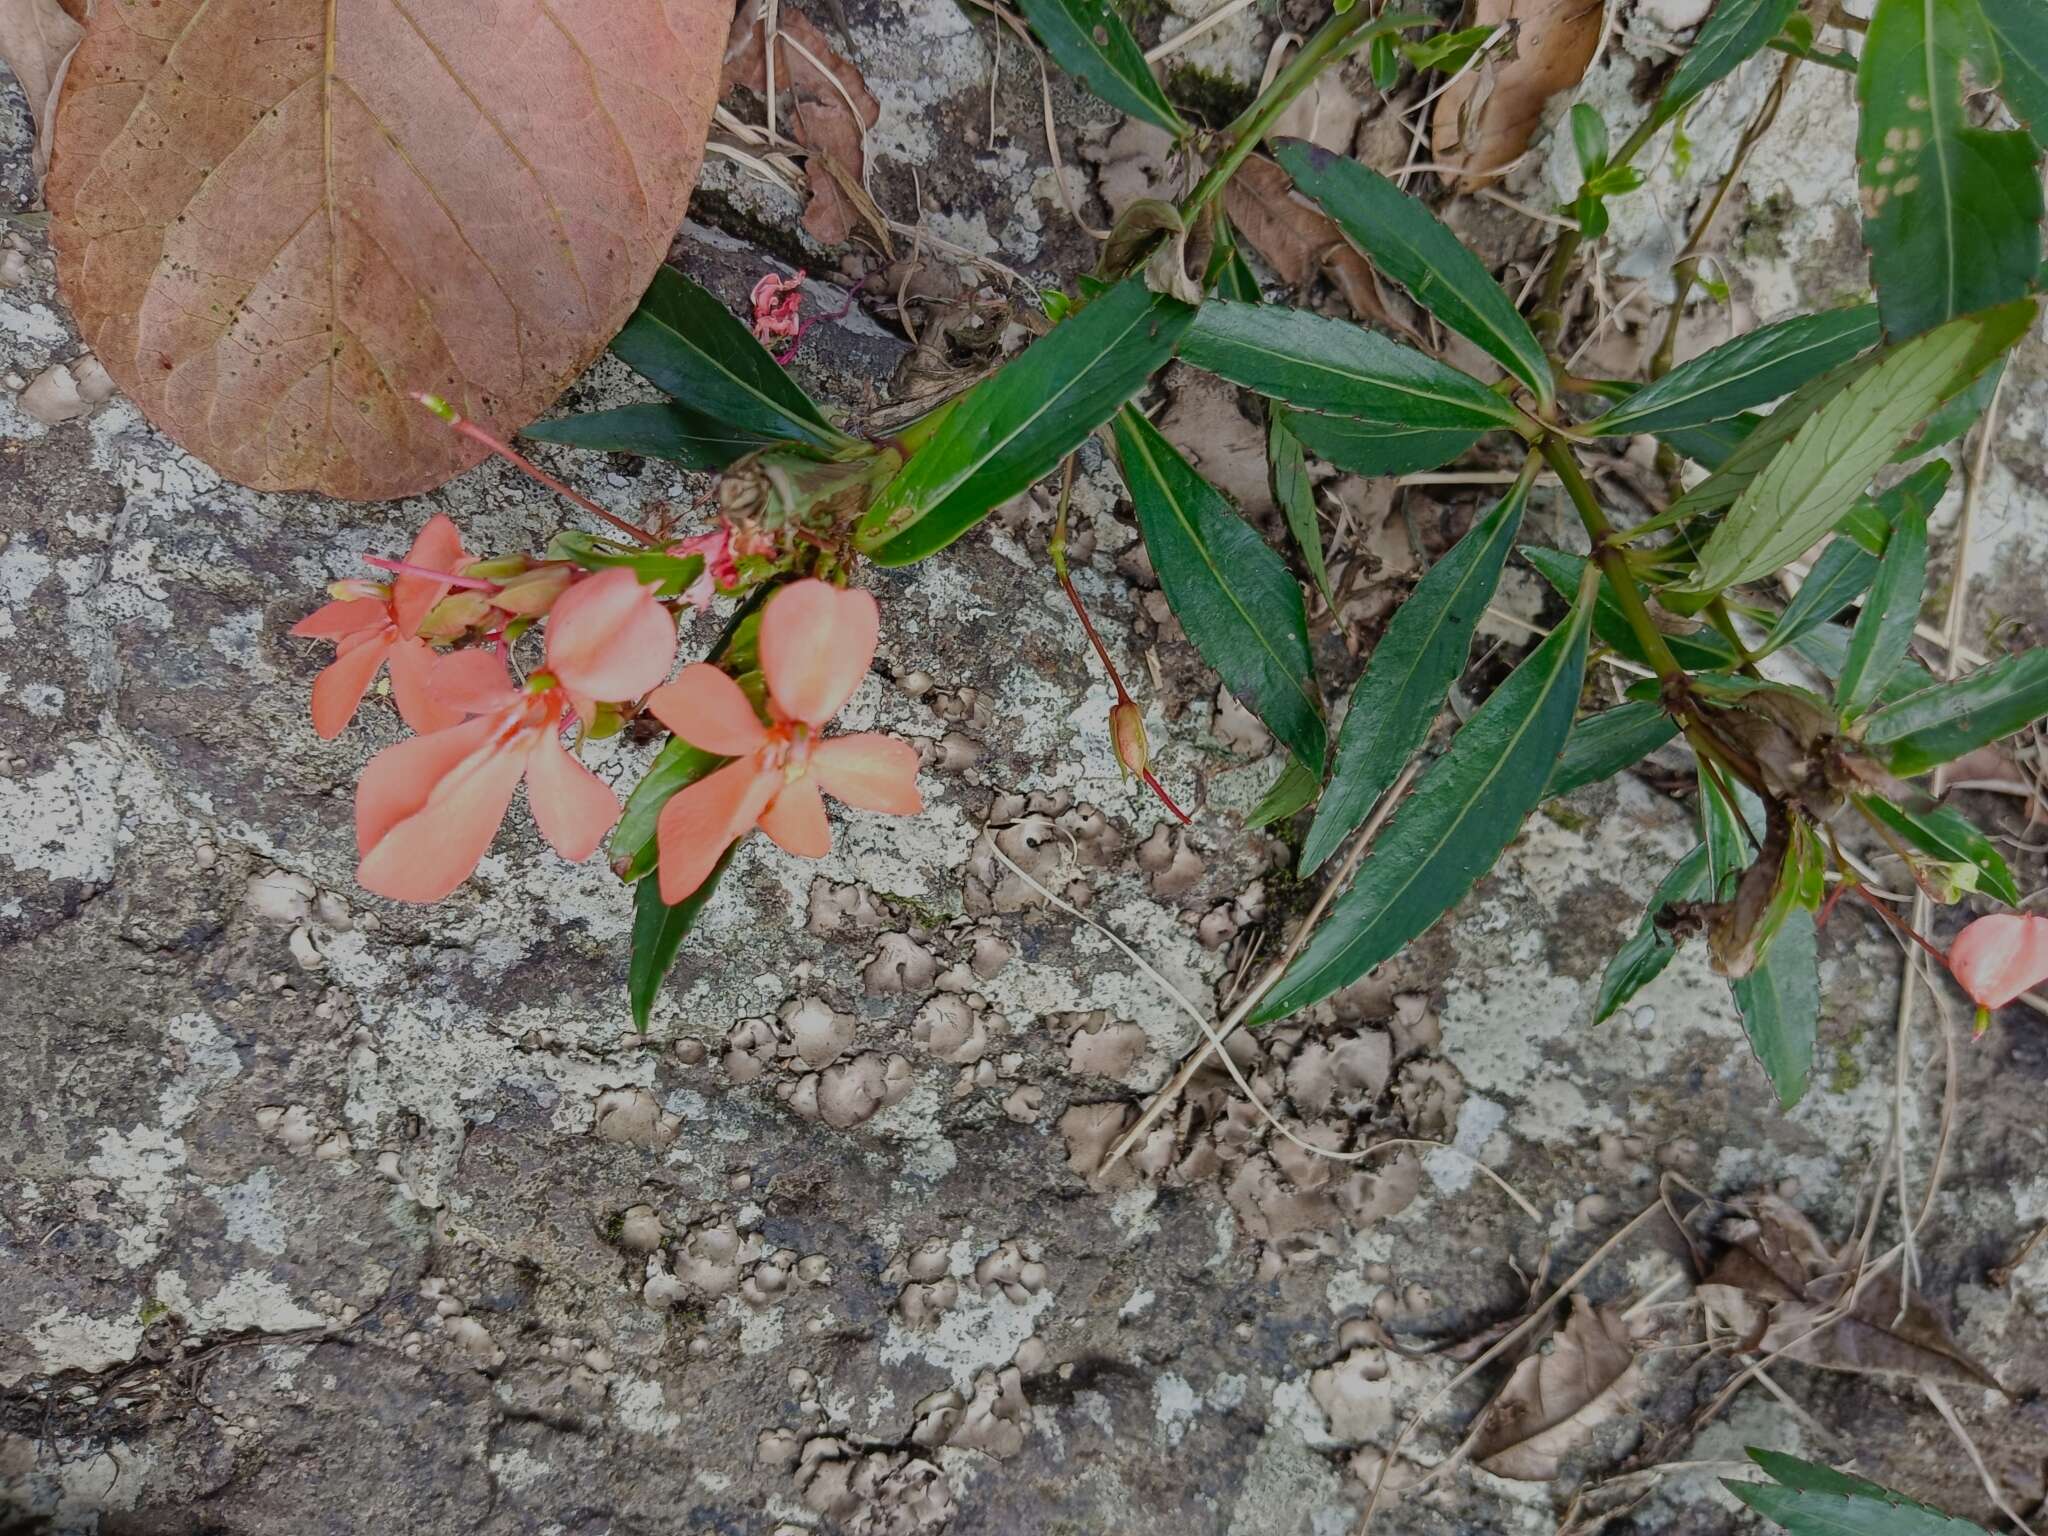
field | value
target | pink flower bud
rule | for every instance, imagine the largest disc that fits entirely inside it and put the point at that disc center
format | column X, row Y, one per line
column 1997, row 958
column 1127, row 731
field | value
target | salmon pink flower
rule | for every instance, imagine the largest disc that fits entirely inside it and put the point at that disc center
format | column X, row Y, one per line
column 427, row 809
column 776, row 301
column 371, row 625
column 816, row 643
column 721, row 572
column 1997, row 958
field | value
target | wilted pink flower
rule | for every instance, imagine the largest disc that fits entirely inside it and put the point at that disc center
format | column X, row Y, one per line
column 816, row 643
column 720, row 573
column 1998, row 957
column 776, row 301
column 371, row 625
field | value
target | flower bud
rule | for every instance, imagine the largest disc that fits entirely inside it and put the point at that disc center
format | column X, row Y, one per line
column 534, row 593
column 1127, row 731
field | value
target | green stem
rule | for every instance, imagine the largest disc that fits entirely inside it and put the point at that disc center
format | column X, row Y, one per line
column 1612, row 560
column 1337, row 38
column 1549, row 318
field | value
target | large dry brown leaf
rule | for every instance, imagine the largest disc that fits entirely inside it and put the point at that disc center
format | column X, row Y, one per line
column 1488, row 115
column 1298, row 240
column 827, row 110
column 276, row 218
column 37, row 39
column 1554, row 1400
column 1778, row 1280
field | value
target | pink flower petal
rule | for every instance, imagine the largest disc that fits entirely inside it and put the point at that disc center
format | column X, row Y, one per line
column 869, row 771
column 413, row 665
column 1997, row 958
column 397, row 781
column 817, row 641
column 331, row 621
column 343, row 681
column 471, row 682
column 608, row 637
column 707, row 709
column 795, row 818
column 438, row 548
column 434, row 850
column 701, row 820
column 572, row 806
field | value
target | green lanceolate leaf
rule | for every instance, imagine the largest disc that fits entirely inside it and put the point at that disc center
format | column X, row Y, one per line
column 1373, row 447
column 1812, row 1500
column 1409, row 674
column 1878, row 644
column 1016, row 425
column 1601, row 745
column 1779, row 999
column 1736, row 31
column 1710, row 444
column 1948, row 835
column 686, row 342
column 1816, row 477
column 1322, row 364
column 1649, row 949
column 1939, row 724
column 1293, row 790
column 1746, row 459
column 2020, row 28
column 658, row 933
column 1408, row 243
column 1088, row 38
column 1839, row 576
column 660, row 430
column 1826, row 646
column 1952, row 213
column 676, row 765
column 1464, row 811
column 1696, row 649
column 1752, row 369
column 1295, row 493
column 1233, row 595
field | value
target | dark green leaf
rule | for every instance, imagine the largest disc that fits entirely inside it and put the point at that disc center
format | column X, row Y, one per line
column 1747, row 458
column 1295, row 493
column 1016, row 425
column 1695, row 648
column 1601, row 745
column 1650, row 948
column 1885, row 628
column 1322, row 364
column 1752, row 369
column 1411, row 670
column 1408, row 243
column 1808, row 485
column 1230, row 277
column 1813, row 1500
column 1826, row 646
column 1951, row 420
column 1385, row 62
column 1736, row 31
column 1948, row 836
column 1373, row 447
column 1939, row 724
column 1840, row 576
column 632, row 842
column 658, row 932
column 1464, row 811
column 1232, row 594
column 1089, row 39
column 1952, row 213
column 1710, row 443
column 1779, row 1000
column 690, row 345
column 660, row 430
column 2020, row 28
column 1292, row 791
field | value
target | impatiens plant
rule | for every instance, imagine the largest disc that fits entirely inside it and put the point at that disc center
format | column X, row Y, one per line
column 1810, row 437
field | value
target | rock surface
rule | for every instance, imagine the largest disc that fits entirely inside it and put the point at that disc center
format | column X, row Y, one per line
column 326, row 1214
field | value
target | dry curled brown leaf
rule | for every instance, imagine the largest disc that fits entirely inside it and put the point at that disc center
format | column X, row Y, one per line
column 828, row 111
column 1778, row 1282
column 1298, row 240
column 37, row 39
column 1554, row 1400
column 276, row 218
column 1489, row 114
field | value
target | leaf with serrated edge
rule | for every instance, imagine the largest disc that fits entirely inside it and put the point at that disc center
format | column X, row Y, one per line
column 1885, row 627
column 313, row 210
column 1295, row 492
column 1941, row 723
column 1373, row 447
column 1016, row 425
column 1753, row 369
column 1411, row 670
column 1948, row 835
column 1817, row 476
column 1736, row 31
column 1320, row 364
column 1088, row 39
column 1952, row 213
column 1408, row 243
column 1233, row 595
column 1462, row 814
column 2021, row 30
column 1641, row 960
column 1603, row 744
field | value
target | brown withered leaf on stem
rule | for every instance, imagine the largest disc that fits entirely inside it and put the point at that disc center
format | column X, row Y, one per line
column 37, row 39
column 1778, row 1280
column 275, row 219
column 1490, row 113
column 1554, row 1400
column 828, row 110
column 1298, row 240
